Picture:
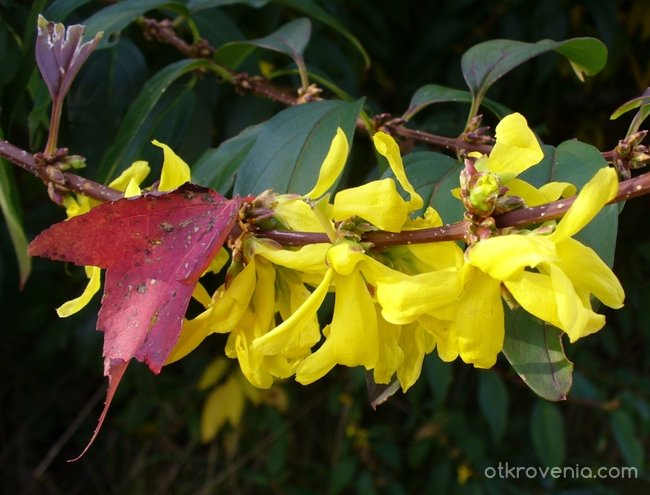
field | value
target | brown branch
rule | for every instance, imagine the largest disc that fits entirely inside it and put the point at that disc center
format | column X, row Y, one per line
column 628, row 189
column 455, row 144
column 70, row 181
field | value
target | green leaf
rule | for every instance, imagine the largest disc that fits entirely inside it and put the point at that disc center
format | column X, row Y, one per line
column 124, row 147
column 577, row 162
column 485, row 63
column 290, row 147
column 493, row 401
column 291, row 39
column 434, row 93
column 315, row 11
column 100, row 98
column 642, row 103
column 534, row 349
column 60, row 9
column 627, row 438
column 433, row 176
column 11, row 210
column 116, row 17
column 547, row 432
column 639, row 101
column 196, row 5
column 217, row 167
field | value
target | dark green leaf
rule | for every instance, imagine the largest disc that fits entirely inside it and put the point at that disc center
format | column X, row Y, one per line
column 116, row 17
column 642, row 103
column 60, row 9
column 433, row 176
column 493, row 400
column 315, row 11
column 439, row 376
column 534, row 349
column 485, row 63
column 100, row 98
column 217, row 27
column 11, row 53
column 217, row 167
column 124, row 148
column 637, row 102
column 433, row 93
column 547, row 432
column 290, row 147
column 627, row 438
column 196, row 5
column 11, row 210
column 291, row 39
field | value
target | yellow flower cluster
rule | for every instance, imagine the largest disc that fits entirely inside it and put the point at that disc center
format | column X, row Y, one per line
column 391, row 307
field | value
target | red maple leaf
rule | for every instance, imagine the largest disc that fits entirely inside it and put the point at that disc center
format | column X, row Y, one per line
column 154, row 249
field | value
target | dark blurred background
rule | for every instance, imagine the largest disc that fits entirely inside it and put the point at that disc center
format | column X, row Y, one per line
column 454, row 422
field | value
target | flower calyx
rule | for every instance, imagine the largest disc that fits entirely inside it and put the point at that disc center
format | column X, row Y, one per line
column 630, row 154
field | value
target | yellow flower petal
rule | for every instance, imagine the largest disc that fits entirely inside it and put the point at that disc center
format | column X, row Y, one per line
column 415, row 343
column 175, row 171
column 556, row 190
column 504, row 257
column 445, row 336
column 288, row 333
column 594, row 195
column 75, row 305
column 310, row 258
column 352, row 339
column 516, row 147
column 587, row 271
column 570, row 310
column 295, row 214
column 390, row 355
column 228, row 307
column 535, row 293
column 345, row 256
column 479, row 320
column 136, row 173
column 387, row 147
column 378, row 202
column 224, row 404
column 332, row 165
column 406, row 299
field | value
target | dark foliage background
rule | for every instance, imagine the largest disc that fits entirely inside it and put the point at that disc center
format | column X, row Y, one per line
column 455, row 421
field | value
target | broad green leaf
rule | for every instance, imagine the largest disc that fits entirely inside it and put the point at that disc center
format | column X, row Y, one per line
column 433, row 176
column 534, row 349
column 577, row 162
column 218, row 28
column 485, row 63
column 642, row 103
column 548, row 435
column 217, row 167
column 291, row 39
column 434, row 93
column 100, row 97
column 11, row 210
column 439, row 376
column 58, row 10
column 290, row 147
column 627, row 438
column 196, row 5
column 493, row 400
column 116, row 17
column 121, row 152
column 315, row 11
